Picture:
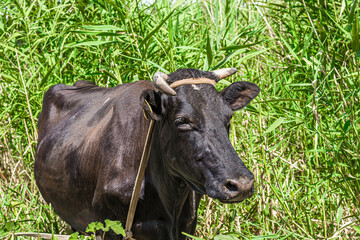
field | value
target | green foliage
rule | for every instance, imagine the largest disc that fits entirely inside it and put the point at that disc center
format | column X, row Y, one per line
column 76, row 236
column 95, row 227
column 300, row 136
column 357, row 229
column 113, row 225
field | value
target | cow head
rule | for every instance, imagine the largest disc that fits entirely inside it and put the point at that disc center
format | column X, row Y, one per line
column 193, row 124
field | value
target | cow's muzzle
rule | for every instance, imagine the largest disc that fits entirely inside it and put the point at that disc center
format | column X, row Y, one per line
column 237, row 190
column 232, row 190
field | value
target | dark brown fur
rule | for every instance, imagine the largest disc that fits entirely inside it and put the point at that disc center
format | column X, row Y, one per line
column 91, row 140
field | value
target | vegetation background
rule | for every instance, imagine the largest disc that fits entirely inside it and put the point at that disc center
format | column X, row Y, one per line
column 300, row 136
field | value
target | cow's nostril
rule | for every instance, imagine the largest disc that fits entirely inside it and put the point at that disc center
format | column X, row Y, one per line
column 236, row 190
column 231, row 186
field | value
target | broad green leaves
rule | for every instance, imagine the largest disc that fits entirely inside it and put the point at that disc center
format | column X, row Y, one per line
column 95, row 227
column 274, row 125
column 116, row 226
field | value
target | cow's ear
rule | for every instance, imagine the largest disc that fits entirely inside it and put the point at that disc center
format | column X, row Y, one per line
column 239, row 94
column 151, row 103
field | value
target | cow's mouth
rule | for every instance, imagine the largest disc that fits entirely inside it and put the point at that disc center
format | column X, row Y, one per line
column 195, row 188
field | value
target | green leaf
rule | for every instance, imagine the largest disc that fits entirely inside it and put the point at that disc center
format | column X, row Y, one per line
column 228, row 57
column 102, row 28
column 357, row 229
column 150, row 63
column 94, row 226
column 187, row 48
column 9, row 226
column 116, row 226
column 224, row 81
column 110, row 75
column 74, row 236
column 225, row 237
column 352, row 11
column 91, row 227
column 99, row 226
column 209, row 51
column 355, row 43
column 98, row 33
column 275, row 124
column 93, row 43
column 346, row 126
column 253, row 54
column 339, row 215
column 266, row 237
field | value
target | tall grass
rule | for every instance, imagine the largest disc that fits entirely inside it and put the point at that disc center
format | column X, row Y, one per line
column 300, row 136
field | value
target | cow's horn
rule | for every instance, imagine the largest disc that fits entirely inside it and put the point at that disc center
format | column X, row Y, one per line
column 160, row 83
column 224, row 72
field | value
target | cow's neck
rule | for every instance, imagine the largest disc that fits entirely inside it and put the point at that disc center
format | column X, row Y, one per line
column 172, row 191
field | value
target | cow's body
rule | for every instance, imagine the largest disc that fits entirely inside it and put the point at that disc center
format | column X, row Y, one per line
column 90, row 144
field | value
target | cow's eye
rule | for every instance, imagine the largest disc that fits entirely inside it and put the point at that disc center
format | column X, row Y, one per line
column 182, row 123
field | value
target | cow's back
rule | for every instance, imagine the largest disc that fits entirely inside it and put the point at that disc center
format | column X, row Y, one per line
column 88, row 135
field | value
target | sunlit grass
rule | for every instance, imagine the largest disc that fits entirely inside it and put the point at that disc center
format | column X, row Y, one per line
column 300, row 136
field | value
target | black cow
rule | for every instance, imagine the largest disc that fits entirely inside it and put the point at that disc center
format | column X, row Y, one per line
column 90, row 144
